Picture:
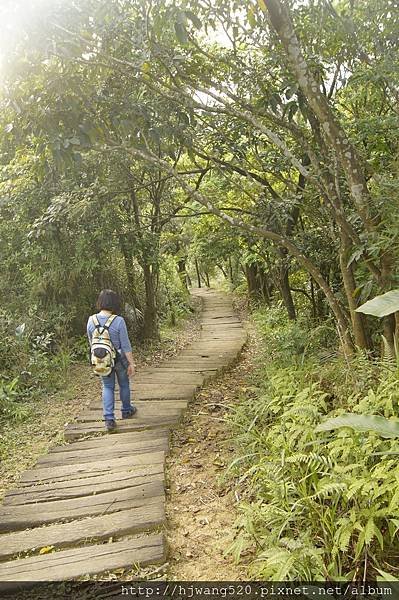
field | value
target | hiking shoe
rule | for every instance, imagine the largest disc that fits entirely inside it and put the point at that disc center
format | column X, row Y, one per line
column 110, row 425
column 129, row 414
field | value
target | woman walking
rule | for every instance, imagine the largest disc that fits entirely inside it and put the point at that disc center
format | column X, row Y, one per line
column 109, row 307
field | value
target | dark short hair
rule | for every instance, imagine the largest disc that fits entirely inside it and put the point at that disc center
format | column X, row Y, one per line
column 109, row 300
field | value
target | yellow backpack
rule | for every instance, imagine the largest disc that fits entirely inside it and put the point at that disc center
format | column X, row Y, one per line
column 102, row 350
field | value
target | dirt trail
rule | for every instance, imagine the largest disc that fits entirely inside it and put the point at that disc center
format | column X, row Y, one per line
column 201, row 500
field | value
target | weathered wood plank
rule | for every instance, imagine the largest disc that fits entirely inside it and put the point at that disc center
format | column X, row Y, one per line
column 91, row 529
column 86, row 455
column 92, row 414
column 70, row 564
column 91, row 469
column 162, row 404
column 76, row 430
column 13, row 518
column 147, row 436
column 160, row 394
column 76, row 488
column 161, row 378
column 186, row 387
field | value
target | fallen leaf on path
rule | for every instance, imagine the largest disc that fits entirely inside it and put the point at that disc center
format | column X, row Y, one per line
column 46, row 549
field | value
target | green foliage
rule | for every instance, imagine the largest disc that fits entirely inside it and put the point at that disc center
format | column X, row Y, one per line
column 384, row 427
column 10, row 408
column 288, row 342
column 34, row 359
column 381, row 306
column 315, row 504
column 174, row 296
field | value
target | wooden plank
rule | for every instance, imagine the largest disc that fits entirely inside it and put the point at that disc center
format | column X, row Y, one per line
column 147, row 436
column 157, row 404
column 162, row 393
column 92, row 414
column 76, row 430
column 76, row 488
column 92, row 529
column 13, row 518
column 167, row 378
column 90, row 469
column 91, row 454
column 172, row 387
column 148, row 407
column 70, row 564
column 195, row 363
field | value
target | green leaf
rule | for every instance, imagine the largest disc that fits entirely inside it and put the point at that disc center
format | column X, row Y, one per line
column 381, row 306
column 369, row 531
column 385, row 576
column 386, row 428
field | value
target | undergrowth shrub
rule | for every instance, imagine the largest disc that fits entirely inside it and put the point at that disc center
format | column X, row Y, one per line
column 315, row 505
column 34, row 358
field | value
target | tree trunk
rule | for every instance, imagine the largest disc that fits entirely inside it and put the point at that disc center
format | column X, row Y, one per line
column 231, row 271
column 198, row 273
column 223, row 271
column 150, row 328
column 129, row 270
column 250, row 275
column 181, row 267
column 389, row 322
column 284, row 285
column 358, row 320
column 388, row 326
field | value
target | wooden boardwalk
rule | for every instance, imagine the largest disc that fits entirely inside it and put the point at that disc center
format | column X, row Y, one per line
column 98, row 502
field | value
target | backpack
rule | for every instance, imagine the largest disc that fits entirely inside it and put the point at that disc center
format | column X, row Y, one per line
column 102, row 350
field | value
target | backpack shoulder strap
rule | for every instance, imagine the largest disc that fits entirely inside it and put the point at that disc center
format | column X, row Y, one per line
column 109, row 321
column 95, row 320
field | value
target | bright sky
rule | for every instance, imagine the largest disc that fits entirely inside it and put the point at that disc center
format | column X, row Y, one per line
column 15, row 18
column 17, row 15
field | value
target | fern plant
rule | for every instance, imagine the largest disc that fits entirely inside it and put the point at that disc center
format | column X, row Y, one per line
column 299, row 472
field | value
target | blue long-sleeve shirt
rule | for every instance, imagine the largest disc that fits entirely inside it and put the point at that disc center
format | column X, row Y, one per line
column 117, row 332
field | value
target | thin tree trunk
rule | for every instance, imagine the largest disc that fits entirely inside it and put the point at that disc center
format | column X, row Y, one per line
column 150, row 328
column 181, row 267
column 358, row 320
column 231, row 271
column 250, row 275
column 314, row 305
column 129, row 270
column 223, row 271
column 198, row 273
column 284, row 285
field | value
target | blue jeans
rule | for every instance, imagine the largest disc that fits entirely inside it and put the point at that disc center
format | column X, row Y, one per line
column 109, row 389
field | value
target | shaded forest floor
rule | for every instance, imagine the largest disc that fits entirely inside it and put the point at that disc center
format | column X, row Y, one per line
column 22, row 443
